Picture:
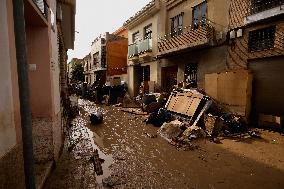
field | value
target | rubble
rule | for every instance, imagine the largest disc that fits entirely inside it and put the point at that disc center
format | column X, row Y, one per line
column 171, row 130
column 112, row 181
column 159, row 117
column 97, row 161
column 130, row 103
column 194, row 132
column 136, row 111
column 154, row 103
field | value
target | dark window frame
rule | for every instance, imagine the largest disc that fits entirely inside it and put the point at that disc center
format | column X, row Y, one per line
column 263, row 5
column 201, row 16
column 133, row 37
column 148, row 34
column 262, row 39
column 177, row 25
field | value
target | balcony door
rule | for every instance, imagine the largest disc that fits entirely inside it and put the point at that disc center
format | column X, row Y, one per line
column 199, row 15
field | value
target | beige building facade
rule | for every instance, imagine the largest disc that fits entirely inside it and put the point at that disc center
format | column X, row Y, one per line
column 192, row 40
column 188, row 40
column 143, row 67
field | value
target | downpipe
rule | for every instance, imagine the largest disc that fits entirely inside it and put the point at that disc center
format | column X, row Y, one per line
column 22, row 66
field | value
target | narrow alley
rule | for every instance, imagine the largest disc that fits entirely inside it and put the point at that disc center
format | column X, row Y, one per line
column 135, row 156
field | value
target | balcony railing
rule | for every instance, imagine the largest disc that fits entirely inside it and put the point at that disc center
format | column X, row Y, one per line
column 42, row 6
column 189, row 38
column 263, row 5
column 132, row 50
column 145, row 46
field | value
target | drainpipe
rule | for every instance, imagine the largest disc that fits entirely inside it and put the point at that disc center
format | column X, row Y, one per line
column 22, row 66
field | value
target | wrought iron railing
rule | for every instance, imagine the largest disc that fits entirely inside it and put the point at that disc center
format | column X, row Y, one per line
column 43, row 7
column 132, row 50
column 189, row 37
column 263, row 5
column 145, row 46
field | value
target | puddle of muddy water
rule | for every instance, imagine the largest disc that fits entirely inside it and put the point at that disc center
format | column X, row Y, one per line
column 89, row 141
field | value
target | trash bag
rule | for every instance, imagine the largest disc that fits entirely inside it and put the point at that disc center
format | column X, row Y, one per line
column 96, row 118
column 148, row 99
column 159, row 117
column 233, row 124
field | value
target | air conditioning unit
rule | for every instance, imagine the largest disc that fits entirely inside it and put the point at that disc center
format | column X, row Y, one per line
column 239, row 32
column 59, row 12
column 232, row 34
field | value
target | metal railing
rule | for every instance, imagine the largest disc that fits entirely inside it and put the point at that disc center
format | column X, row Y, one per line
column 145, row 46
column 43, row 7
column 263, row 5
column 132, row 50
column 190, row 36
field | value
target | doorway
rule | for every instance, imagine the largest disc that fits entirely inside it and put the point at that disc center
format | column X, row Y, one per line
column 169, row 78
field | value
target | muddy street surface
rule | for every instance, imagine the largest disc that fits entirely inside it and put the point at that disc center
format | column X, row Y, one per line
column 132, row 155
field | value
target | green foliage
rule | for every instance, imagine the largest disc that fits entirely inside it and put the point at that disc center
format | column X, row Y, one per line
column 77, row 73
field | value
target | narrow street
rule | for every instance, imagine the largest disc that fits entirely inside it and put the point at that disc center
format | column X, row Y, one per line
column 134, row 156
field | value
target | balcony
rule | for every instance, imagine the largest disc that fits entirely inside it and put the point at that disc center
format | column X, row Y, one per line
column 133, row 52
column 42, row 6
column 263, row 5
column 189, row 38
column 36, row 12
column 263, row 9
column 145, row 49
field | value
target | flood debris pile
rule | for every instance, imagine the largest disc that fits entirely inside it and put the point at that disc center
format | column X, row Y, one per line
column 188, row 115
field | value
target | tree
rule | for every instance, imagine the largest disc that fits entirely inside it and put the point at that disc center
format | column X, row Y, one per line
column 77, row 73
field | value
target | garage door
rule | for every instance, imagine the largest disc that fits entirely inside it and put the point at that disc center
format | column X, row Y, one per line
column 268, row 85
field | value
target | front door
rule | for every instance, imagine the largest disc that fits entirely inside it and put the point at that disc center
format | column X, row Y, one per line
column 169, row 78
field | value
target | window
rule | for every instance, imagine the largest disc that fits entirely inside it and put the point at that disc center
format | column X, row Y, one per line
column 135, row 37
column 95, row 58
column 262, row 39
column 176, row 25
column 190, row 74
column 148, row 32
column 199, row 15
column 262, row 5
column 146, row 73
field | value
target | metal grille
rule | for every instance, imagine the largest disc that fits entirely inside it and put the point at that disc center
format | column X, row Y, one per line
column 262, row 39
column 190, row 73
column 262, row 5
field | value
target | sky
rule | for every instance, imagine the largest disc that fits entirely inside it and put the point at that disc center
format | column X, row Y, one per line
column 94, row 17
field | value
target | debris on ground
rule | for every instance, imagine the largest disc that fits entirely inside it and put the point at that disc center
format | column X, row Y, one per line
column 194, row 132
column 97, row 161
column 112, row 181
column 171, row 130
column 159, row 117
column 96, row 117
column 213, row 125
column 130, row 103
column 155, row 102
column 136, row 111
column 151, row 135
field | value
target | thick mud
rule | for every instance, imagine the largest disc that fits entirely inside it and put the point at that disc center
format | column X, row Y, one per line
column 135, row 157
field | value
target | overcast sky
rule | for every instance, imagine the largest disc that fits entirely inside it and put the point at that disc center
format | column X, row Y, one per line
column 94, row 17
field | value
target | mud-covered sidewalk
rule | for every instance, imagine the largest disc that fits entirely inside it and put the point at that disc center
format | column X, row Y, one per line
column 134, row 156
